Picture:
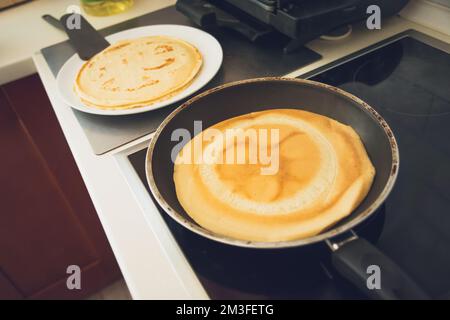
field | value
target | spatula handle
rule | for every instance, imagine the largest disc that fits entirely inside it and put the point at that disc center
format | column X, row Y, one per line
column 86, row 41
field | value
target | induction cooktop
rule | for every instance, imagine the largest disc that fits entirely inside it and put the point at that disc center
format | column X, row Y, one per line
column 406, row 79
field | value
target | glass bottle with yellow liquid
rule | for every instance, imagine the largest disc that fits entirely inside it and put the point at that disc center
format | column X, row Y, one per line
column 105, row 7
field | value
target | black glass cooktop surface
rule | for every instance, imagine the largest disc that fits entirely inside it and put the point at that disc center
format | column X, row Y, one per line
column 407, row 81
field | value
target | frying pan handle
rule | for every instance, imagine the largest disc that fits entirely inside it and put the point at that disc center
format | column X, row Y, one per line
column 375, row 274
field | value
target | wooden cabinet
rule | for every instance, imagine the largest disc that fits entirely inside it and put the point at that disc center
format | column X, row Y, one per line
column 47, row 220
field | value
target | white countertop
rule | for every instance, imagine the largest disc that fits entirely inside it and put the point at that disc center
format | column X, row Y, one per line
column 24, row 31
column 150, row 260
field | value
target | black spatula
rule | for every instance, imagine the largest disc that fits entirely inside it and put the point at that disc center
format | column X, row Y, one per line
column 83, row 37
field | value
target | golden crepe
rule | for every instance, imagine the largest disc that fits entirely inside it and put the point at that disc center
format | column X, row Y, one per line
column 138, row 72
column 323, row 174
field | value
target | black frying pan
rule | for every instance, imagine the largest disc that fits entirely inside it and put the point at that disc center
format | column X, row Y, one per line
column 351, row 255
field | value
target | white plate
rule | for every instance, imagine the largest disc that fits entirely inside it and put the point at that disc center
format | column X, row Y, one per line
column 208, row 46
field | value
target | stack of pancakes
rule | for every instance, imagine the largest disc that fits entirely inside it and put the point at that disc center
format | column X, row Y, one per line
column 322, row 174
column 139, row 72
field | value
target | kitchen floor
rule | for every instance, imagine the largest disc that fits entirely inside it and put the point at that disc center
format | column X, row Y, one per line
column 116, row 291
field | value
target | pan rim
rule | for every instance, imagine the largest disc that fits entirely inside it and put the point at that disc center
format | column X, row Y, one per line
column 323, row 236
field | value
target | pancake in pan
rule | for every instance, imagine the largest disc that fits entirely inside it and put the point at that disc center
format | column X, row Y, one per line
column 138, row 72
column 323, row 174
